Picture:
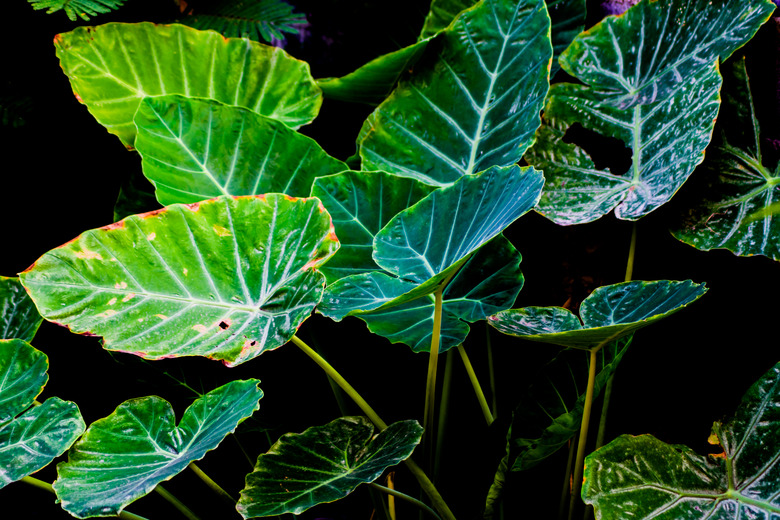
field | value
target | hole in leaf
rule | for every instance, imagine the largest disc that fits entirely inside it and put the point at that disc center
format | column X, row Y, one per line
column 606, row 152
column 223, row 325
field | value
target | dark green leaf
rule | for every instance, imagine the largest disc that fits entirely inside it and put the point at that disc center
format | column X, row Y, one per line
column 18, row 316
column 441, row 14
column 77, row 8
column 567, row 20
column 22, row 377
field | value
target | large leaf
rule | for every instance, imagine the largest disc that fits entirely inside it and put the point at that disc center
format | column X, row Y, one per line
column 610, row 312
column 196, row 149
column 30, row 436
column 740, row 181
column 642, row 477
column 323, row 464
column 18, row 316
column 473, row 102
column 227, row 278
column 638, row 69
column 122, row 457
column 114, row 66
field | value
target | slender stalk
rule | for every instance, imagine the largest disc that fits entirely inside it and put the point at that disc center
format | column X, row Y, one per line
column 566, row 482
column 403, row 496
column 213, row 485
column 391, row 496
column 175, row 502
column 430, row 490
column 475, row 383
column 631, row 255
column 433, row 361
column 491, row 372
column 444, row 405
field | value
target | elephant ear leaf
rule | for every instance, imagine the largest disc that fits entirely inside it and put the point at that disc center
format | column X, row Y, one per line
column 18, row 316
column 643, row 478
column 638, row 69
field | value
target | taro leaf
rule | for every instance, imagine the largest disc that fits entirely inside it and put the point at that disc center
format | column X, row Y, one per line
column 472, row 102
column 323, row 464
column 30, row 441
column 372, row 82
column 642, row 477
column 122, row 457
column 113, row 66
column 227, row 278
column 652, row 82
column 738, row 183
column 441, row 14
column 610, row 312
column 197, row 149
column 360, row 204
column 18, row 316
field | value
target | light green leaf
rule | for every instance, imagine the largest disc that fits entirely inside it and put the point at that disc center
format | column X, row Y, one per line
column 114, row 66
column 18, row 316
column 323, row 464
column 472, row 102
column 122, row 457
column 227, row 278
column 196, row 149
column 642, row 477
column 609, row 313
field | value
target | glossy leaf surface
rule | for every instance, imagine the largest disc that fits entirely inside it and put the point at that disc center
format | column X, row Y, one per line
column 610, row 312
column 18, row 316
column 196, row 149
column 227, row 278
column 739, row 181
column 471, row 103
column 112, row 67
column 323, row 464
column 122, row 457
column 642, row 477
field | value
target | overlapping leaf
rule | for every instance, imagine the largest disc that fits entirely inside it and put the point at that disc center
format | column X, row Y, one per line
column 122, row 457
column 112, row 67
column 609, row 313
column 30, row 436
column 18, row 316
column 472, row 103
column 652, row 82
column 323, row 464
column 642, row 477
column 198, row 149
column 739, row 181
column 227, row 278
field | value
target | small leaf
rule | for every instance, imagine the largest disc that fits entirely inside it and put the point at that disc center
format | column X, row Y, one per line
column 77, row 8
column 323, row 464
column 195, row 149
column 227, row 278
column 122, row 457
column 18, row 316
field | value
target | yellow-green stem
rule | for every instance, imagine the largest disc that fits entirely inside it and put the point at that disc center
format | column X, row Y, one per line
column 213, row 485
column 433, row 362
column 175, row 502
column 631, row 255
column 491, row 372
column 578, row 465
column 394, row 493
column 444, row 405
column 475, row 384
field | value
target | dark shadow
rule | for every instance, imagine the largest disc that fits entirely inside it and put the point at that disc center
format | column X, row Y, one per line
column 606, row 152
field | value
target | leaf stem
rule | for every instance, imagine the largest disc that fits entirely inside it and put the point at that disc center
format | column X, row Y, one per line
column 433, row 361
column 444, row 405
column 403, row 496
column 475, row 384
column 566, row 482
column 175, row 502
column 213, row 485
column 491, row 372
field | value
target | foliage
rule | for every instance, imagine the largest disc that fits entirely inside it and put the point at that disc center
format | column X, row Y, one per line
column 77, row 8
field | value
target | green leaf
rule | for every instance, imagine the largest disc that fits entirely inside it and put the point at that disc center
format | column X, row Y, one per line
column 360, row 204
column 567, row 21
column 114, row 66
column 122, row 457
column 472, row 102
column 77, row 8
column 609, row 313
column 642, row 477
column 323, row 464
column 18, row 316
column 30, row 441
column 441, row 15
column 227, row 278
column 196, row 149
column 739, row 182
column 639, row 68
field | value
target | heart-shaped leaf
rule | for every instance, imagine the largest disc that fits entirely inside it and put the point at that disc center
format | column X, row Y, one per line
column 114, row 66
column 610, row 312
column 639, row 68
column 642, row 477
column 739, row 181
column 323, row 464
column 30, row 436
column 122, row 457
column 18, row 316
column 196, row 149
column 472, row 102
column 227, row 278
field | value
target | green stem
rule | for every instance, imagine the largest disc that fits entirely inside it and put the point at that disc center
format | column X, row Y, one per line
column 213, row 485
column 444, row 405
column 566, row 482
column 175, row 502
column 403, row 496
column 578, row 465
column 475, row 383
column 491, row 372
column 631, row 255
column 433, row 361
column 430, row 490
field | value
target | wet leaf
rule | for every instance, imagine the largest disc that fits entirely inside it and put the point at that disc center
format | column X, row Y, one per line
column 18, row 316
